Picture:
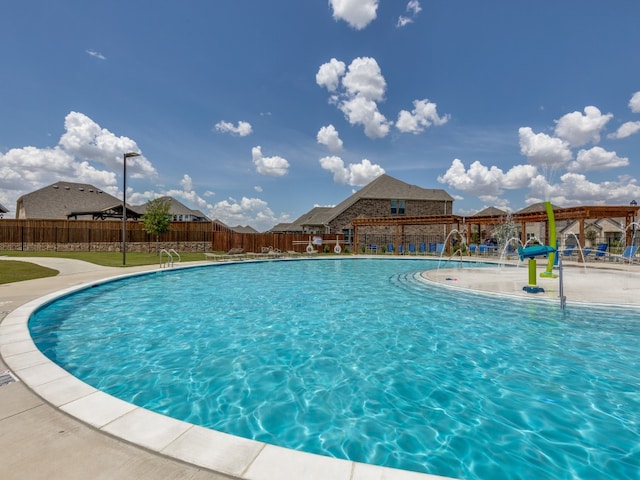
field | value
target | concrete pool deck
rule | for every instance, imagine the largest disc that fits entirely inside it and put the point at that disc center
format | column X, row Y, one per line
column 53, row 426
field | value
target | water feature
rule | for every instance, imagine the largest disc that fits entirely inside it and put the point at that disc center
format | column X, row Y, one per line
column 513, row 242
column 456, row 252
column 358, row 358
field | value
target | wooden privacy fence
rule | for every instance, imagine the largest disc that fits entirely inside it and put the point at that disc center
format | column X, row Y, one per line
column 100, row 235
column 89, row 235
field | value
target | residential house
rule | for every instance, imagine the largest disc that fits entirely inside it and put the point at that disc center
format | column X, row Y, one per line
column 62, row 200
column 601, row 230
column 180, row 212
column 80, row 201
column 383, row 197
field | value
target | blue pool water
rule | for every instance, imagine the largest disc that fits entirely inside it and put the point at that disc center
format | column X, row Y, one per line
column 358, row 359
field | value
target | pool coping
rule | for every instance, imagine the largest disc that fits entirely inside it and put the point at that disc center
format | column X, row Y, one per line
column 210, row 449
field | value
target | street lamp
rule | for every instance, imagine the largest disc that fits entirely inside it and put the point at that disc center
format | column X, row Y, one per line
column 124, row 204
column 633, row 219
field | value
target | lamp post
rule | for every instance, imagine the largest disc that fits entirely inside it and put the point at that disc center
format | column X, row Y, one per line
column 634, row 204
column 124, row 204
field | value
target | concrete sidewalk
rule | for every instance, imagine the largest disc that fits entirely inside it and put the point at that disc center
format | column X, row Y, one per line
column 38, row 441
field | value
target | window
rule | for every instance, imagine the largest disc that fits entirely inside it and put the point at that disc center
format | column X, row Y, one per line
column 397, row 207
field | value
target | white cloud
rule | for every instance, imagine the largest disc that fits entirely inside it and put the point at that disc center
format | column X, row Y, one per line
column 356, row 174
column 329, row 137
column 358, row 89
column 403, row 21
column 626, row 130
column 486, row 181
column 330, row 73
column 423, row 115
column 362, row 111
column 634, row 103
column 258, row 188
column 357, row 13
column 85, row 139
column 248, row 211
column 413, row 7
column 271, row 166
column 575, row 189
column 364, row 78
column 578, row 129
column 543, row 150
column 596, row 158
column 242, row 129
column 95, row 54
column 85, row 153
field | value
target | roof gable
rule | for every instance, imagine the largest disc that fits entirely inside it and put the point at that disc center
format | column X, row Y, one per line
column 386, row 187
column 61, row 198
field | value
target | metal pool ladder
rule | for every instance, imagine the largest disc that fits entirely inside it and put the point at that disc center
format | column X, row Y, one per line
column 170, row 253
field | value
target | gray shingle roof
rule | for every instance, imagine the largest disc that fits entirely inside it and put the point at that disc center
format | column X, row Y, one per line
column 386, row 187
column 59, row 199
column 178, row 208
column 489, row 211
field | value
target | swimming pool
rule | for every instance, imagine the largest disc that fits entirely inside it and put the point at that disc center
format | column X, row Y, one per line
column 358, row 359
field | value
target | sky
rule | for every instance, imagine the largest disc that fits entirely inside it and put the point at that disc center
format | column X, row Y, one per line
column 256, row 111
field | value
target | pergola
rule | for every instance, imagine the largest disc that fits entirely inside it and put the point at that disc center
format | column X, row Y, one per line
column 465, row 224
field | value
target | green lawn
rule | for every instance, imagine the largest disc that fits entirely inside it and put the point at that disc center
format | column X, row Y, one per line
column 15, row 271
column 108, row 259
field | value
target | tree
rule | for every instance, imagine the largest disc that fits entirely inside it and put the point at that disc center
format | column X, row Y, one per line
column 156, row 219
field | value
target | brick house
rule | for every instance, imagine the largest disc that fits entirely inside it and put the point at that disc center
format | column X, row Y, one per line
column 79, row 201
column 383, row 197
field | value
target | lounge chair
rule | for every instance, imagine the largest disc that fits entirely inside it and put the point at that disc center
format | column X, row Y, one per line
column 601, row 250
column 568, row 251
column 629, row 254
column 390, row 248
column 439, row 248
column 473, row 249
column 412, row 249
column 422, row 249
column 400, row 249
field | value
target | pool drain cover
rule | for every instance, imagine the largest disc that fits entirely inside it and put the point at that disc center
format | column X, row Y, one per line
column 6, row 377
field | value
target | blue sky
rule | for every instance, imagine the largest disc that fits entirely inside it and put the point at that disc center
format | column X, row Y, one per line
column 256, row 111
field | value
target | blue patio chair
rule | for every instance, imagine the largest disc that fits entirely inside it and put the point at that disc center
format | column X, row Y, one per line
column 389, row 247
column 628, row 254
column 439, row 248
column 412, row 249
column 568, row 250
column 401, row 249
column 373, row 248
column 601, row 250
column 422, row 249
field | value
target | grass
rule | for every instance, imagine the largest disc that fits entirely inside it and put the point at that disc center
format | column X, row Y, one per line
column 107, row 259
column 17, row 271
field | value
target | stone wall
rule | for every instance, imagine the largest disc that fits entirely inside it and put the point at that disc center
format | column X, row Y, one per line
column 368, row 207
column 141, row 247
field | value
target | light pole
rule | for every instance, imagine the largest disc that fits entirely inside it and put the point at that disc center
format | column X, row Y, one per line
column 124, row 204
column 634, row 204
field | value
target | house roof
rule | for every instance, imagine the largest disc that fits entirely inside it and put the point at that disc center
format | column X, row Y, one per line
column 178, row 208
column 62, row 198
column 536, row 207
column 384, row 187
column 489, row 211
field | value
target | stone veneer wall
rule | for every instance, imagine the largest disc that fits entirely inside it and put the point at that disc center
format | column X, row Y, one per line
column 143, row 247
column 368, row 207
